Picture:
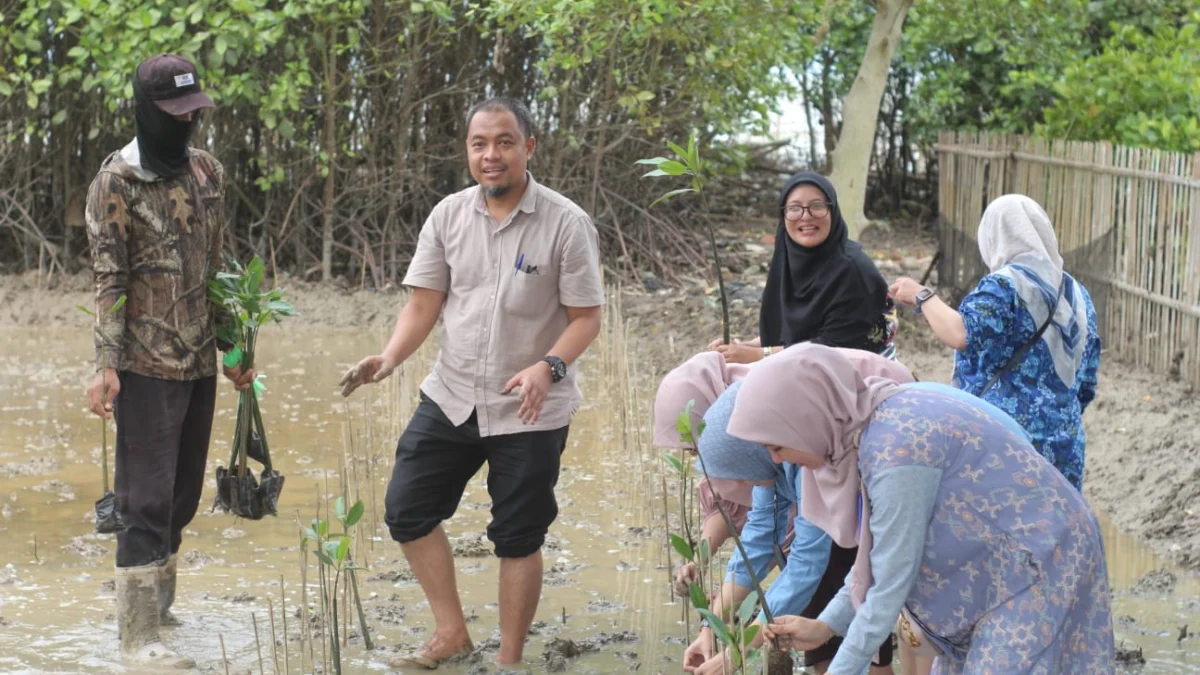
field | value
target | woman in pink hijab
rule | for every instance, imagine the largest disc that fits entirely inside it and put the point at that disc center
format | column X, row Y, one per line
column 700, row 380
column 990, row 558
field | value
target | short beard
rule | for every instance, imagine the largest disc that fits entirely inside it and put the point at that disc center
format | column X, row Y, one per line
column 498, row 191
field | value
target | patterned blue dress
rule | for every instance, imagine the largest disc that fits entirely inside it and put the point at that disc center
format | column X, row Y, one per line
column 998, row 324
column 1013, row 579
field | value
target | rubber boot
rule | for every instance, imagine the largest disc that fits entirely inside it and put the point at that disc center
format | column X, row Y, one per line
column 137, row 620
column 166, row 593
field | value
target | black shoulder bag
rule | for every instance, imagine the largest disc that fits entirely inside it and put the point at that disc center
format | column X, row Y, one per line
column 1019, row 355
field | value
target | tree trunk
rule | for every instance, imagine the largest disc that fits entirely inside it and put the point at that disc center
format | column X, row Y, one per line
column 331, row 152
column 860, row 113
column 806, row 91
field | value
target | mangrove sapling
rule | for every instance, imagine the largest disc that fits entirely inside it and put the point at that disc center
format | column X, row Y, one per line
column 689, row 164
column 740, row 636
column 333, row 551
column 245, row 308
column 108, row 515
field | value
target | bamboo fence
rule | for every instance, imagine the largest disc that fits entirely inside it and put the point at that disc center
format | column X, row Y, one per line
column 1128, row 226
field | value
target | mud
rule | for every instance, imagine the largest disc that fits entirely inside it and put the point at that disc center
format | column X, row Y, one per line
column 1160, row 581
column 606, row 577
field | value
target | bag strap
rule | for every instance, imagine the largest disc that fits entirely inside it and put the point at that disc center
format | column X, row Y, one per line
column 1019, row 355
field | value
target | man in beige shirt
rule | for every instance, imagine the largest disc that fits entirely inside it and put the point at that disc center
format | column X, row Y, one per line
column 513, row 269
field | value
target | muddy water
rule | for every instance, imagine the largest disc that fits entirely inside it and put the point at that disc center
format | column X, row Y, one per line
column 605, row 561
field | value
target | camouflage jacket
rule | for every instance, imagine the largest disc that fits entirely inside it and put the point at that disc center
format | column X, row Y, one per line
column 158, row 243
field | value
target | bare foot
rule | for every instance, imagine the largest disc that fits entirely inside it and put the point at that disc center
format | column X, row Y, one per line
column 437, row 650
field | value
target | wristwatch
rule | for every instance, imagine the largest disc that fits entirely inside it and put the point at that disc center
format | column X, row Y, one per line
column 922, row 295
column 558, row 369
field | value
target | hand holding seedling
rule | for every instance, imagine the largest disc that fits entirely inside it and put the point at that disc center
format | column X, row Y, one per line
column 534, row 382
column 798, row 632
column 370, row 370
column 687, row 575
column 103, row 391
column 242, row 379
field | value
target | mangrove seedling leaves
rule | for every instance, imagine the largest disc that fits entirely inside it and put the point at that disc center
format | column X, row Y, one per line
column 355, row 515
column 684, row 548
column 746, row 609
column 699, row 601
column 339, row 508
column 718, row 627
column 674, row 461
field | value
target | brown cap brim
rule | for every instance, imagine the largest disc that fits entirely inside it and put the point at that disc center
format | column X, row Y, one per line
column 186, row 103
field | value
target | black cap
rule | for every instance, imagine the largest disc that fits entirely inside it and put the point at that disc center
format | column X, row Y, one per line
column 172, row 84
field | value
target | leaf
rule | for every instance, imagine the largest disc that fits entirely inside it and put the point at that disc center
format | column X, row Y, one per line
column 674, row 461
column 653, row 162
column 683, row 424
column 705, row 551
column 645, row 95
column 684, row 548
column 343, row 549
column 220, row 46
column 309, row 533
column 78, row 53
column 324, row 558
column 746, row 609
column 339, row 508
column 718, row 627
column 683, row 154
column 233, row 358
column 331, row 548
column 749, row 633
column 672, row 168
column 670, row 194
column 5, row 89
column 41, row 86
column 59, row 117
column 118, row 304
column 699, row 601
column 356, row 514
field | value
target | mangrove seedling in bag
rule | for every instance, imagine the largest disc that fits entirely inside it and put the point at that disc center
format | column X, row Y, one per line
column 240, row 295
column 108, row 515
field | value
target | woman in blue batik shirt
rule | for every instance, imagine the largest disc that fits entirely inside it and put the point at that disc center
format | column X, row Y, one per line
column 1051, row 385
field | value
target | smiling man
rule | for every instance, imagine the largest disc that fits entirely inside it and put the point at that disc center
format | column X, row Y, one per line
column 513, row 269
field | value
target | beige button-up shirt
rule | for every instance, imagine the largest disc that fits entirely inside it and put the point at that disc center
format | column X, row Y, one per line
column 507, row 288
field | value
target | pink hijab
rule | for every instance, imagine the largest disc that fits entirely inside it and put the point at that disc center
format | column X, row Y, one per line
column 701, row 379
column 815, row 399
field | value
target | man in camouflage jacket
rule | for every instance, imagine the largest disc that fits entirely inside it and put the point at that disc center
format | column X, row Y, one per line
column 155, row 218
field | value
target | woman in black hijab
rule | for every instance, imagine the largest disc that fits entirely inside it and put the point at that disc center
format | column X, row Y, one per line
column 821, row 287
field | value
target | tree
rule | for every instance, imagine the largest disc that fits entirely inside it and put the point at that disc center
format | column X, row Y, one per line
column 851, row 158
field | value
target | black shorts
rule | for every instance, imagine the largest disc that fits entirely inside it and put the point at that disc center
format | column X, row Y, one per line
column 840, row 562
column 435, row 460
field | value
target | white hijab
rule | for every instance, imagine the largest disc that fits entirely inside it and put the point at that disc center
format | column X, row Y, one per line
column 1016, row 241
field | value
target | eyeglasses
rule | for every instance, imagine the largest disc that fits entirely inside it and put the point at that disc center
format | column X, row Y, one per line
column 815, row 209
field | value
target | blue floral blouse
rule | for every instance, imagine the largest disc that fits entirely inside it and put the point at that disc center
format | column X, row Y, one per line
column 998, row 324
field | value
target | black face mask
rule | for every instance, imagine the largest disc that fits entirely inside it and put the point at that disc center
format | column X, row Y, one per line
column 162, row 139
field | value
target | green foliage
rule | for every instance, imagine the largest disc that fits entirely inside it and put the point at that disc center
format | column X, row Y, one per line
column 1142, row 89
column 249, row 307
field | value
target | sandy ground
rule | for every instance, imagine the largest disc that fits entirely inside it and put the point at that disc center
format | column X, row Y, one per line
column 1143, row 467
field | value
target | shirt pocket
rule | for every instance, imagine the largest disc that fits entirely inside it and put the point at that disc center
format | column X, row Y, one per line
column 531, row 295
